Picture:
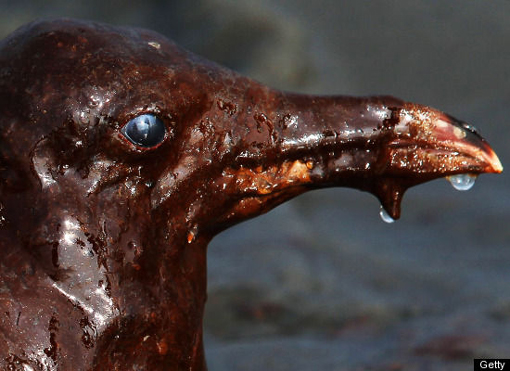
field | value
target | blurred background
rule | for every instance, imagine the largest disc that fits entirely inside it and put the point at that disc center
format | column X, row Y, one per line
column 321, row 283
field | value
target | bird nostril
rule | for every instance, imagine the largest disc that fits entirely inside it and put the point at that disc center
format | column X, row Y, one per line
column 146, row 130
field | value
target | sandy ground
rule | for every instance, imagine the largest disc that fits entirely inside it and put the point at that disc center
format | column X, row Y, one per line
column 321, row 283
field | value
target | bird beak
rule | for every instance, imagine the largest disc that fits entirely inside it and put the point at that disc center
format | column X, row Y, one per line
column 429, row 141
column 427, row 144
column 381, row 145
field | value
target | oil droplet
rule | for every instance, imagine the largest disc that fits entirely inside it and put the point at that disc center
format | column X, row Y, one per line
column 191, row 236
column 154, row 44
column 385, row 216
column 462, row 182
column 162, row 347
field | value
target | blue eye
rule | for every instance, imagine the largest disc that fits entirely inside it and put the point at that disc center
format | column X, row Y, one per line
column 145, row 131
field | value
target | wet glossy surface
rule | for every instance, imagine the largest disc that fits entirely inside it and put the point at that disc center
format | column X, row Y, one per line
column 104, row 241
column 146, row 131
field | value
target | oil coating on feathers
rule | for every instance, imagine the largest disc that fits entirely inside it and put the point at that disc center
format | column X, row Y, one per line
column 122, row 155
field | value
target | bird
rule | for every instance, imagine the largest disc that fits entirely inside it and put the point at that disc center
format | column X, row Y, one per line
column 122, row 155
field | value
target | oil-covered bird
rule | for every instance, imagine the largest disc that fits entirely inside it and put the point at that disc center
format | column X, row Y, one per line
column 122, row 155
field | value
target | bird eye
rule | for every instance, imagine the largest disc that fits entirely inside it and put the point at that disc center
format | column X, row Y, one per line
column 145, row 131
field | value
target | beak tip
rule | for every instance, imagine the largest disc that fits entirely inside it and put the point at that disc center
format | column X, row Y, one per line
column 495, row 165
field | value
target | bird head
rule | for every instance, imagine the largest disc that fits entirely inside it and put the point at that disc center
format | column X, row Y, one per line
column 125, row 116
